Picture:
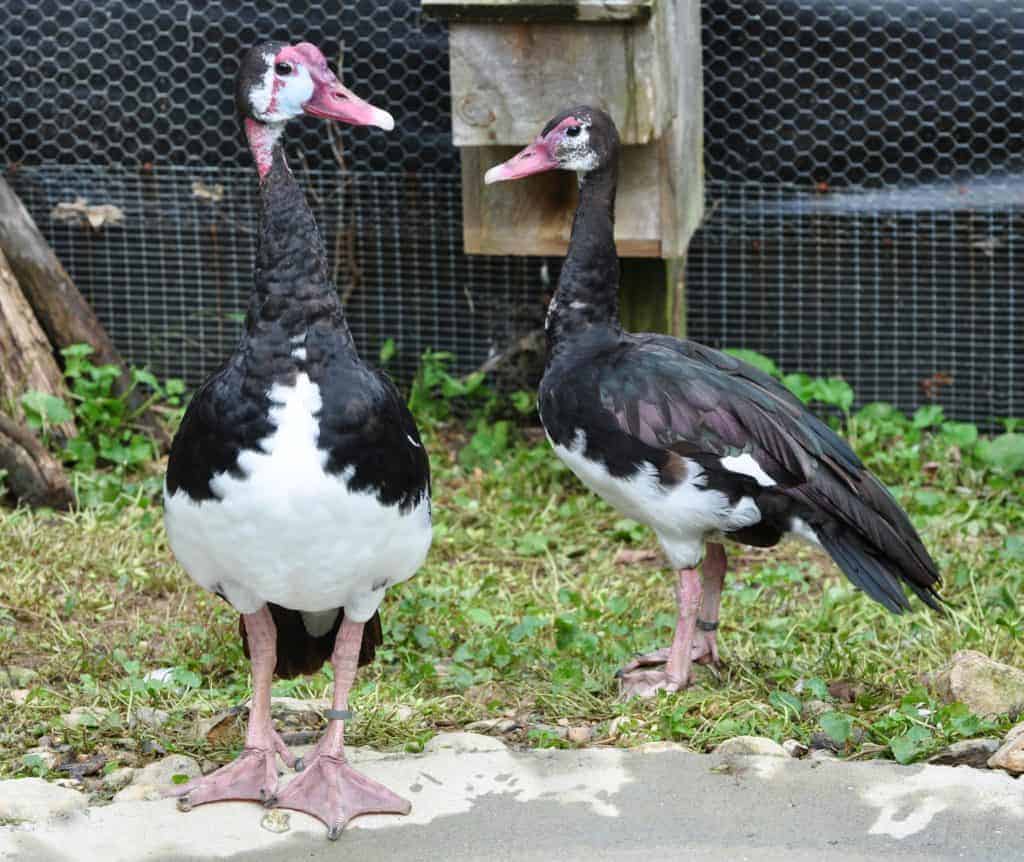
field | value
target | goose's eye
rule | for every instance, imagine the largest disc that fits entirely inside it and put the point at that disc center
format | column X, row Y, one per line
column 573, row 131
column 283, row 68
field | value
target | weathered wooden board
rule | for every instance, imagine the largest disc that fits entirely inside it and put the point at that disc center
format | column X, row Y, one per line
column 534, row 215
column 539, row 10
column 508, row 80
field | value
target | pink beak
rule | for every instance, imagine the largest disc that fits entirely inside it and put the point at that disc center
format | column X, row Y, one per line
column 533, row 159
column 332, row 101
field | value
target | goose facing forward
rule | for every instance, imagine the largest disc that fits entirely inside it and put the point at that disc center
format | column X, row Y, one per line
column 692, row 442
column 297, row 486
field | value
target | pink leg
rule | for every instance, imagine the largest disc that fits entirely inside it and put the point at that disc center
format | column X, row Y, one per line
column 705, row 643
column 328, row 788
column 253, row 775
column 676, row 674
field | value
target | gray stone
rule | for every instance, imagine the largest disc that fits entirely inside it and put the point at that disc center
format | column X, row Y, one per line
column 119, row 779
column 41, row 755
column 581, row 734
column 140, row 793
column 795, row 748
column 463, row 743
column 12, row 676
column 493, row 725
column 1010, row 755
column 86, row 716
column 986, row 686
column 814, row 708
column 744, row 745
column 162, row 772
column 32, row 800
column 966, row 752
column 146, row 716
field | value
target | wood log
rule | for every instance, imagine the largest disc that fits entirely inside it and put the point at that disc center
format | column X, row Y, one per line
column 26, row 358
column 63, row 312
column 33, row 475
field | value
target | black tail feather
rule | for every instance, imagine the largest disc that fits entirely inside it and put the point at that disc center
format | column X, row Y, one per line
column 299, row 652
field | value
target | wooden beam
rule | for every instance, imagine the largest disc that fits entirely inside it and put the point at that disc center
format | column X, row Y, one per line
column 508, row 80
column 536, row 11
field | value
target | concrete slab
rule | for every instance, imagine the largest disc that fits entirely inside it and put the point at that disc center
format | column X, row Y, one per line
column 474, row 799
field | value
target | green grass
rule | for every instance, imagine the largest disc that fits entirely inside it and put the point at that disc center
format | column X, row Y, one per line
column 522, row 611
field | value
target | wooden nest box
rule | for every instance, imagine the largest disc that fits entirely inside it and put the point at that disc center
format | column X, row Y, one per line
column 516, row 64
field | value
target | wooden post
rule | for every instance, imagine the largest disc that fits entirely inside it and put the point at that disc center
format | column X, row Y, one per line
column 62, row 311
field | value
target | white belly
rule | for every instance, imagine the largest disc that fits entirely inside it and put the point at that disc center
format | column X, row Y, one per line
column 289, row 533
column 682, row 515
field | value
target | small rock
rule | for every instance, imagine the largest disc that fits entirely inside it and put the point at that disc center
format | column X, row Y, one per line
column 986, row 686
column 844, row 690
column 119, row 779
column 493, row 725
column 221, row 727
column 300, row 737
column 822, row 754
column 1010, row 755
column 12, row 676
column 139, row 793
column 463, row 743
column 162, row 772
column 276, row 820
column 82, row 766
column 150, row 747
column 967, row 752
column 41, row 756
column 86, row 716
column 814, row 708
column 17, row 695
column 294, row 712
column 659, row 746
column 744, row 745
column 795, row 748
column 32, row 800
column 146, row 716
column 160, row 674
column 581, row 734
column 630, row 557
column 404, row 713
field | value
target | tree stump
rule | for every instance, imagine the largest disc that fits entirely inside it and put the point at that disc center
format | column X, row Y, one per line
column 62, row 311
column 33, row 475
column 26, row 358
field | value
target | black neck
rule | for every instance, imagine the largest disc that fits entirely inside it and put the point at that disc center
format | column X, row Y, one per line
column 588, row 287
column 293, row 290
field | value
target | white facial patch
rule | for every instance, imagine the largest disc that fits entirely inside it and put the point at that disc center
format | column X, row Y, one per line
column 575, row 154
column 278, row 98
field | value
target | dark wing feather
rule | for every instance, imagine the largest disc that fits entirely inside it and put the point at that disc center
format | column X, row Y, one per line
column 662, row 396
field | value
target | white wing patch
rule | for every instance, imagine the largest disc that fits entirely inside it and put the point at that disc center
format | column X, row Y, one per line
column 747, row 466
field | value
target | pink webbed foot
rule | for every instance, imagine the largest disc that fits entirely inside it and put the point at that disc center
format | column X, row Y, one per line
column 705, row 648
column 648, row 659
column 334, row 793
column 252, row 776
column 647, row 683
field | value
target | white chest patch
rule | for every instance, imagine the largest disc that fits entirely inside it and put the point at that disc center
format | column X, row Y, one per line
column 682, row 515
column 290, row 533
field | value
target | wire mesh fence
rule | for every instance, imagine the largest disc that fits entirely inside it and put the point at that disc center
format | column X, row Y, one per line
column 864, row 163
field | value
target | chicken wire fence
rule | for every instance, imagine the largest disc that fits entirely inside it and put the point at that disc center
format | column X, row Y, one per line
column 863, row 166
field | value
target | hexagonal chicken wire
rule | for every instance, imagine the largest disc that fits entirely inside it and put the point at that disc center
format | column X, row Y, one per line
column 863, row 159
